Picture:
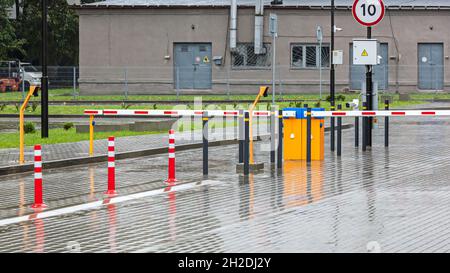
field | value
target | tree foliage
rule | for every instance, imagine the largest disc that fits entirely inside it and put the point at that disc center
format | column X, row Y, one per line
column 62, row 32
column 10, row 45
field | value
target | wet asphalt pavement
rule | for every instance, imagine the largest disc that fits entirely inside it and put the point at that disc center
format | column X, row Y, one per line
column 384, row 200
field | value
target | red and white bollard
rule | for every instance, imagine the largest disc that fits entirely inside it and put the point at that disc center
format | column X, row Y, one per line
column 171, row 178
column 111, row 168
column 38, row 202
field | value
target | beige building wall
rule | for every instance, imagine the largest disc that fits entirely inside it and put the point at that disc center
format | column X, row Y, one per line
column 140, row 40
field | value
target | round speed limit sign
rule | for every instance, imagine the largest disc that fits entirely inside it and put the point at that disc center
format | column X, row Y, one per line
column 368, row 12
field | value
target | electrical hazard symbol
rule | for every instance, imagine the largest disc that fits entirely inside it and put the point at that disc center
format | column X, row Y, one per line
column 364, row 53
column 206, row 59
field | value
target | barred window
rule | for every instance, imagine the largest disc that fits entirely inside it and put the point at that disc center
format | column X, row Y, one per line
column 245, row 58
column 307, row 56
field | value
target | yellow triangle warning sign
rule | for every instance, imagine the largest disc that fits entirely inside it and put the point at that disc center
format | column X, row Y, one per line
column 206, row 59
column 364, row 53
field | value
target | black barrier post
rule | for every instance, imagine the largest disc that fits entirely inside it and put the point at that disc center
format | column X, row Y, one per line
column 364, row 130
column 272, row 133
column 280, row 139
column 235, row 126
column 308, row 135
column 386, row 125
column 246, row 144
column 224, row 125
column 356, row 131
column 205, row 119
column 339, row 132
column 241, row 136
column 192, row 127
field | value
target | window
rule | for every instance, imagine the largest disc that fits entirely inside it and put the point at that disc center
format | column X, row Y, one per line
column 308, row 56
column 245, row 58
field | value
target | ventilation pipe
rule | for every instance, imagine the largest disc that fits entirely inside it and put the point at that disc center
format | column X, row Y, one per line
column 233, row 25
column 259, row 27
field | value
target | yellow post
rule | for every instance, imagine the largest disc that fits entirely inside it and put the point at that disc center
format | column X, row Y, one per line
column 91, row 135
column 262, row 92
column 21, row 124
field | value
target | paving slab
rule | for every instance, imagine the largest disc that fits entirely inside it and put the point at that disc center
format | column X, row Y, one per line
column 387, row 199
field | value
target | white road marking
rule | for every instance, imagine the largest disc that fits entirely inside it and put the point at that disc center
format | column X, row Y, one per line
column 107, row 201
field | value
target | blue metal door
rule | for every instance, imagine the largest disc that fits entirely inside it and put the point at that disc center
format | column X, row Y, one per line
column 380, row 72
column 193, row 69
column 431, row 66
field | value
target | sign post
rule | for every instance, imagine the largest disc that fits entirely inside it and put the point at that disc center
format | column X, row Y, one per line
column 274, row 32
column 368, row 13
column 320, row 40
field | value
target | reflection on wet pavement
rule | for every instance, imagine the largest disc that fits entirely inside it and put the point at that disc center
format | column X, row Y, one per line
column 396, row 197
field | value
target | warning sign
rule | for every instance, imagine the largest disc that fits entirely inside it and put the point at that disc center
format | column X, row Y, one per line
column 365, row 52
column 206, row 59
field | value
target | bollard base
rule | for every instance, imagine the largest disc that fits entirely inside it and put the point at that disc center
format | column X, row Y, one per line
column 253, row 168
column 170, row 180
column 38, row 206
column 111, row 193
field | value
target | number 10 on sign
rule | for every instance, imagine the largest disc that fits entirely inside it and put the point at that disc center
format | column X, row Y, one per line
column 368, row 12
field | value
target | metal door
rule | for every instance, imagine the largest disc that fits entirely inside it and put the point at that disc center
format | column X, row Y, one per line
column 193, row 69
column 380, row 72
column 431, row 66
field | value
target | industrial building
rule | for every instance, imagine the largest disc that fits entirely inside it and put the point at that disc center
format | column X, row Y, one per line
column 212, row 46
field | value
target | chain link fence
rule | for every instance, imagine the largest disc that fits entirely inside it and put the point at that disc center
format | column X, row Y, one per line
column 308, row 72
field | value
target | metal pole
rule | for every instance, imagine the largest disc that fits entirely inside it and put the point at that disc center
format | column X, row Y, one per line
column 339, row 133
column 356, row 131
column 126, row 83
column 224, row 129
column 320, row 68
column 23, row 83
column 235, row 127
column 386, row 125
column 246, row 144
column 177, row 72
column 228, row 82
column 364, row 130
column 273, row 67
column 369, row 95
column 280, row 140
column 74, row 82
column 44, row 80
column 273, row 112
column 205, row 119
column 241, row 136
column 192, row 128
column 308, row 135
column 332, row 76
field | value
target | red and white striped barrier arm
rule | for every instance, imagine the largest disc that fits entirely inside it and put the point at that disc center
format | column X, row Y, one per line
column 111, row 168
column 393, row 113
column 171, row 113
column 93, row 112
column 38, row 200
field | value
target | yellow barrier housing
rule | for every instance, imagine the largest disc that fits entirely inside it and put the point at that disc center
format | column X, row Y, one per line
column 295, row 136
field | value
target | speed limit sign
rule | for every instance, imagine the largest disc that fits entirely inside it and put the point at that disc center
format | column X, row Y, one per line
column 368, row 12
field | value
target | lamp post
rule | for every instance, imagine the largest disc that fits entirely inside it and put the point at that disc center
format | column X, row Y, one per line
column 44, row 80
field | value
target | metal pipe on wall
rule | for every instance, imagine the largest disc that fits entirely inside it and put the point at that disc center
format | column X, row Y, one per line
column 259, row 27
column 233, row 25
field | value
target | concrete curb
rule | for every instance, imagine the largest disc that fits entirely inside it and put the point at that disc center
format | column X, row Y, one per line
column 8, row 170
column 103, row 158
